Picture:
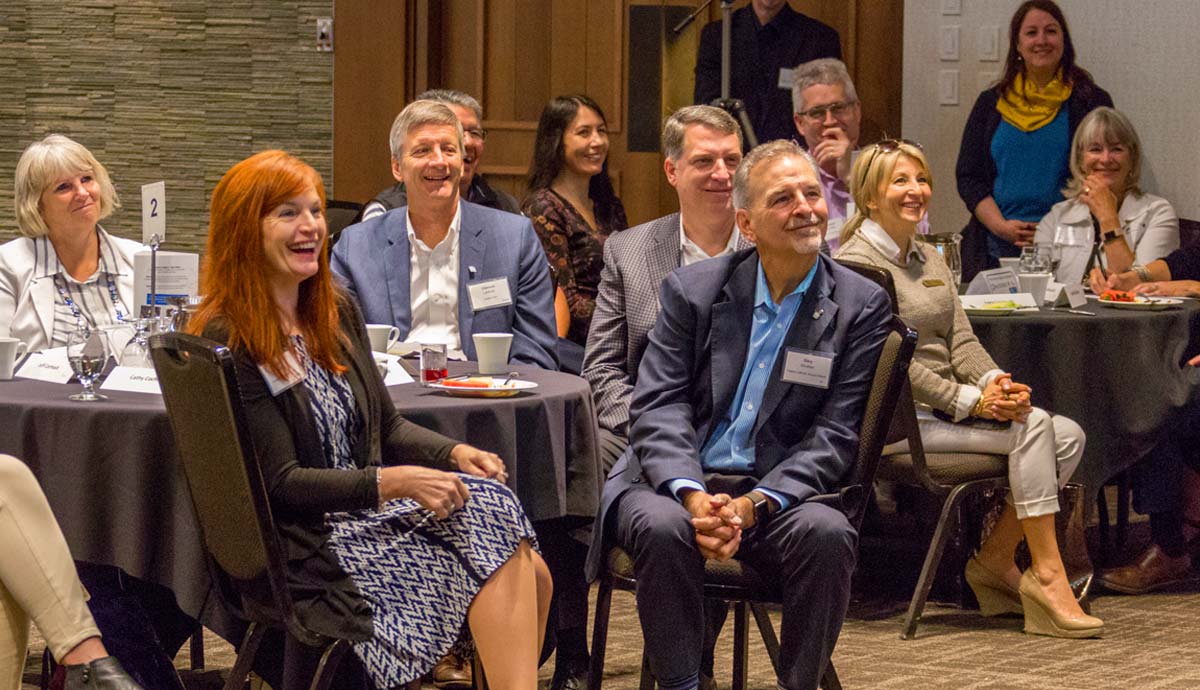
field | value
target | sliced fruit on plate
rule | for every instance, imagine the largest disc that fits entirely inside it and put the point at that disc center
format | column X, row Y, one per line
column 1118, row 296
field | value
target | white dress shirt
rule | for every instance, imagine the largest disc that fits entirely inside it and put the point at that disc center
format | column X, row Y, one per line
column 433, row 276
column 690, row 252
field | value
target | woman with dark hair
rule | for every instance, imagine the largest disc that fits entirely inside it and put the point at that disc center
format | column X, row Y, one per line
column 572, row 203
column 1014, row 158
column 397, row 537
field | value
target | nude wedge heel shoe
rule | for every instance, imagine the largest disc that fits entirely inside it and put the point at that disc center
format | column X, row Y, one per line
column 994, row 595
column 1041, row 619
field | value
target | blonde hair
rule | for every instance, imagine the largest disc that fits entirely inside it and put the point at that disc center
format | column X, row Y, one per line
column 419, row 114
column 873, row 166
column 1112, row 127
column 44, row 162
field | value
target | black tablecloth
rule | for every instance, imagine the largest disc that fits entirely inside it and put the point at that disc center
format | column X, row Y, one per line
column 116, row 487
column 1117, row 373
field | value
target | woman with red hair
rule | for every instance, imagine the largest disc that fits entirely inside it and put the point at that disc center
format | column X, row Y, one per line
column 397, row 537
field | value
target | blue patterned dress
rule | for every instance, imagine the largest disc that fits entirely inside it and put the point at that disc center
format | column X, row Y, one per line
column 418, row 574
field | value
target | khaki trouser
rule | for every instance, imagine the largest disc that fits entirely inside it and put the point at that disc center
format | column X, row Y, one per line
column 37, row 576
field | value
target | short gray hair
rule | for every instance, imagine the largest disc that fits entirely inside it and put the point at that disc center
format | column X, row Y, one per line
column 1111, row 126
column 676, row 124
column 453, row 97
column 765, row 153
column 825, row 71
column 419, row 114
column 41, row 164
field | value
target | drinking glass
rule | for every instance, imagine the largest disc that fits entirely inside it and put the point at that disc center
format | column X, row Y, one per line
column 1034, row 261
column 87, row 351
column 136, row 352
column 1052, row 252
column 433, row 363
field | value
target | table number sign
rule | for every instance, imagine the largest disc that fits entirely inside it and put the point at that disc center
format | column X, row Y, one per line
column 154, row 212
column 48, row 365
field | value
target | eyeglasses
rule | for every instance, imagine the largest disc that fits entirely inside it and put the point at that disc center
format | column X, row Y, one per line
column 476, row 133
column 818, row 113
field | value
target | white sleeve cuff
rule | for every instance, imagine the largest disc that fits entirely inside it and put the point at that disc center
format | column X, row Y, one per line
column 965, row 402
column 988, row 377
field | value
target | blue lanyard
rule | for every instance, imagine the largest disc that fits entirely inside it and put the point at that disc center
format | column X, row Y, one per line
column 66, row 298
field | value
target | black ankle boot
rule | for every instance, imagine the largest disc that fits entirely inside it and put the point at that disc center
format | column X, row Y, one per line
column 101, row 674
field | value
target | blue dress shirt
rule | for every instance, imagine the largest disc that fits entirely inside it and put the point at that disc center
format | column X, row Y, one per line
column 729, row 448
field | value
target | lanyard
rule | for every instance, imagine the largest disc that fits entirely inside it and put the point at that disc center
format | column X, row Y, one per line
column 66, row 298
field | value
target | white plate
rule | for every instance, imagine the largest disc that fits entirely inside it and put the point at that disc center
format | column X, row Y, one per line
column 511, row 388
column 1144, row 303
column 984, row 311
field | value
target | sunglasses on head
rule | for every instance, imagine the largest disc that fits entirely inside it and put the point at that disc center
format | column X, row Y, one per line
column 887, row 146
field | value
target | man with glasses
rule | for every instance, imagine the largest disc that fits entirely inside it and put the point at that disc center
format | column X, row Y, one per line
column 473, row 186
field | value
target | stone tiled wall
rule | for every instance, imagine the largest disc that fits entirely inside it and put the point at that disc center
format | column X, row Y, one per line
column 174, row 90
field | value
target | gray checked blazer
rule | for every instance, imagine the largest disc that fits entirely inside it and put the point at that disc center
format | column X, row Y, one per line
column 635, row 263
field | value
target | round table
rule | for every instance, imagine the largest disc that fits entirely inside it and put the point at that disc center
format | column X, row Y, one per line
column 112, row 477
column 1118, row 373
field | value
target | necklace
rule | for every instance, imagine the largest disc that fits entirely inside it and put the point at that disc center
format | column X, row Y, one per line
column 60, row 285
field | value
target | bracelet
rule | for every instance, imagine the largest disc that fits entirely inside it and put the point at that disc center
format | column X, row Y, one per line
column 379, row 486
column 1143, row 273
column 977, row 411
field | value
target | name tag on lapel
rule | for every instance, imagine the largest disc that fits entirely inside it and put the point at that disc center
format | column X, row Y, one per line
column 932, row 282
column 808, row 368
column 277, row 385
column 489, row 294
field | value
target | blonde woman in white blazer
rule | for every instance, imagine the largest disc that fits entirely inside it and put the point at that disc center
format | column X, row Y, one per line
column 66, row 269
column 1135, row 228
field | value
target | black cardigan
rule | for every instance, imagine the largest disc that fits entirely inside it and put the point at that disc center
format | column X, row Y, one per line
column 976, row 170
column 301, row 485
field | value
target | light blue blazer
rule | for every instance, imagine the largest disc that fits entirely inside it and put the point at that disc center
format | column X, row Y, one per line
column 372, row 260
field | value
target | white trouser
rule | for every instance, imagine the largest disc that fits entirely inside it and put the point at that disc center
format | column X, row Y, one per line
column 1042, row 454
column 37, row 576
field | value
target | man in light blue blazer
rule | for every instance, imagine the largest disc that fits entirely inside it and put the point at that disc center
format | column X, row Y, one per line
column 441, row 269
column 744, row 425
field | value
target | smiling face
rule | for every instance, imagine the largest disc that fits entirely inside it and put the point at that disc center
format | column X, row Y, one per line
column 903, row 198
column 472, row 144
column 785, row 214
column 71, row 203
column 703, row 175
column 585, row 143
column 293, row 235
column 839, row 112
column 430, row 164
column 1111, row 161
column 1040, row 42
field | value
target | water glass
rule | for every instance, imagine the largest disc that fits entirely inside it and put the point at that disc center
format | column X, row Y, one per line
column 87, row 351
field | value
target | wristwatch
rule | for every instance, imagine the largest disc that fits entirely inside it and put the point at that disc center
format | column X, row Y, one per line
column 763, row 508
column 1111, row 235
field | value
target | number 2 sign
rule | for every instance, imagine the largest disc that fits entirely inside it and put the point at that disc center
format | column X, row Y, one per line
column 154, row 211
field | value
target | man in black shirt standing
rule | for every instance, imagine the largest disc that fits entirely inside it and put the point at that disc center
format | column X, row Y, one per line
column 769, row 39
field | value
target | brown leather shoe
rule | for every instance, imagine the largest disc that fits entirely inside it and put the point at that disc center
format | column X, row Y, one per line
column 1152, row 571
column 452, row 673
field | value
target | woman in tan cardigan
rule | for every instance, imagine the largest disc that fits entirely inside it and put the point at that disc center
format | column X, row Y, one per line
column 965, row 402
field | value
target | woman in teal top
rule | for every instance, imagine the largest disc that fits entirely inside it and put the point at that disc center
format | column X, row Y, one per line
column 1013, row 161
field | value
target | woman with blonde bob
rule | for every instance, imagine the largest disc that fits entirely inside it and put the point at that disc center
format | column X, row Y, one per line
column 66, row 270
column 398, row 538
column 1106, row 213
column 965, row 402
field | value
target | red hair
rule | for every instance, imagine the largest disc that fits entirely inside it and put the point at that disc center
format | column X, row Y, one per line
column 232, row 279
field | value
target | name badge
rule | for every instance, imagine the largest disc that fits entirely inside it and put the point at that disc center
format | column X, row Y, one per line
column 489, row 294
column 48, row 365
column 277, row 385
column 786, row 78
column 932, row 282
column 808, row 368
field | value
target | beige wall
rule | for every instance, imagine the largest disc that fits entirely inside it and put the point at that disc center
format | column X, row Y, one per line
column 1143, row 53
column 174, row 90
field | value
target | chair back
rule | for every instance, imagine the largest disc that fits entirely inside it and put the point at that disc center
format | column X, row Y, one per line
column 876, row 275
column 1189, row 232
column 338, row 216
column 200, row 390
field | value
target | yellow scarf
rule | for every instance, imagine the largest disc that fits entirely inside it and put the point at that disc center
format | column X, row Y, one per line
column 1027, row 108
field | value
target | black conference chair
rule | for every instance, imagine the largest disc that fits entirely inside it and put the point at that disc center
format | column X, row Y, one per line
column 200, row 389
column 737, row 582
column 338, row 216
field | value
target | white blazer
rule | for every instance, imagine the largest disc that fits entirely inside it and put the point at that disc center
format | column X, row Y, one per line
column 1151, row 230
column 27, row 302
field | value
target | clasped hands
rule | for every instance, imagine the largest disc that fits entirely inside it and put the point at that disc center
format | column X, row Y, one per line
column 438, row 491
column 719, row 521
column 1006, row 400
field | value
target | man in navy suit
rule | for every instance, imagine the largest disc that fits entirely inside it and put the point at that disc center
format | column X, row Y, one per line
column 744, row 424
column 441, row 269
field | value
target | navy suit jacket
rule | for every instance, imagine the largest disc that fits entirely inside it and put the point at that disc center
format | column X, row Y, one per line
column 372, row 259
column 805, row 438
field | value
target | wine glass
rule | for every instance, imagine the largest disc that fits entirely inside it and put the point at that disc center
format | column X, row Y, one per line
column 87, row 351
column 136, row 352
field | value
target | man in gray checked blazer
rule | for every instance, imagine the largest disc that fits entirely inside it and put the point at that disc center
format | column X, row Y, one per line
column 702, row 146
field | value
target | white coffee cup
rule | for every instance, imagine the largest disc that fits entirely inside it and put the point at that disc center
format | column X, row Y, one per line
column 491, row 349
column 1035, row 284
column 383, row 336
column 1012, row 262
column 11, row 350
